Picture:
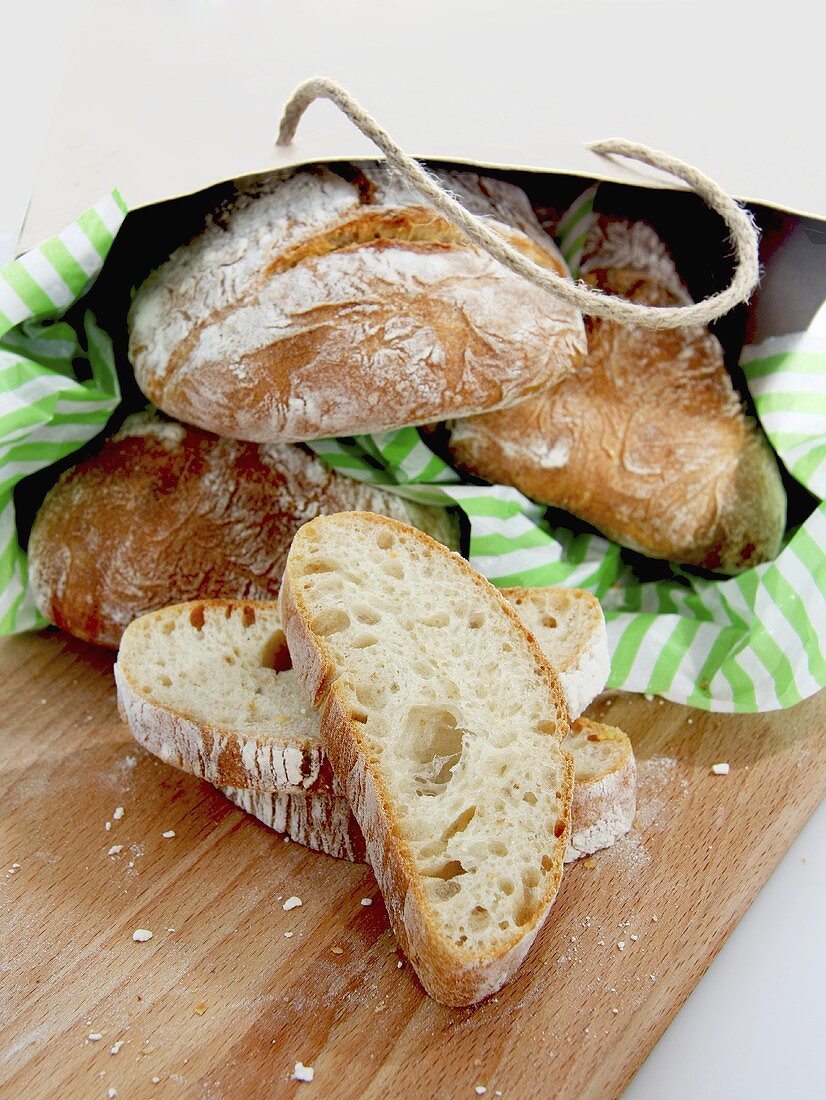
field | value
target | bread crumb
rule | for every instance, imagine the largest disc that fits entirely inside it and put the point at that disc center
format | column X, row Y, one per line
column 399, row 964
column 112, row 1093
column 118, row 814
column 366, row 901
column 291, row 903
column 480, row 1090
column 302, row 1072
column 615, row 1011
column 141, row 935
column 337, row 950
column 108, row 826
column 200, row 1009
column 635, row 938
column 655, row 918
column 95, row 1035
column 288, row 935
column 115, row 850
column 116, row 1047
column 649, row 698
column 621, row 944
column 720, row 769
column 379, row 1007
column 156, row 1080
column 168, row 835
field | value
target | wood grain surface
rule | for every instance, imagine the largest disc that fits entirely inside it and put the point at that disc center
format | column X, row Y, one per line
column 232, row 991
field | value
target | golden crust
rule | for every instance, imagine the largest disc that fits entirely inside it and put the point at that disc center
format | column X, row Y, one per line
column 448, row 976
column 648, row 441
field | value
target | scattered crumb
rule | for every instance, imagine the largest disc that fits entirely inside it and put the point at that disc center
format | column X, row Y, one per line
column 720, row 769
column 480, row 1090
column 691, row 721
column 589, row 863
column 141, row 935
column 649, row 698
column 635, row 938
column 366, row 901
column 337, row 950
column 655, row 918
column 288, row 935
column 302, row 1072
column 115, row 850
column 118, row 814
column 156, row 1080
column 379, row 1007
column 168, row 835
column 291, row 903
column 600, row 943
column 615, row 1011
column 621, row 944
column 399, row 964
column 170, row 929
column 116, row 1047
column 95, row 1035
column 200, row 1009
column 108, row 826
column 112, row 1093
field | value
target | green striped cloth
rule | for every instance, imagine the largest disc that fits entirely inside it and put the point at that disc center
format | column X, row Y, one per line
column 753, row 642
column 58, row 383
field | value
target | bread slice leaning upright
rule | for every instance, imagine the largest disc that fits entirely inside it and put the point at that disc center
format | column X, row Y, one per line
column 442, row 720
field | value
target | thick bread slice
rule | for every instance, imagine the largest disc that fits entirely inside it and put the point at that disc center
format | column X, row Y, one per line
column 569, row 625
column 605, row 787
column 207, row 685
column 443, row 720
column 317, row 819
column 602, row 807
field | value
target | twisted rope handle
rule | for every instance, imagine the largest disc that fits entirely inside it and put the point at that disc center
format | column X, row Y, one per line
column 742, row 231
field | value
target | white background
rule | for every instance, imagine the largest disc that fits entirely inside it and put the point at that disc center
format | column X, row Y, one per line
column 755, row 1027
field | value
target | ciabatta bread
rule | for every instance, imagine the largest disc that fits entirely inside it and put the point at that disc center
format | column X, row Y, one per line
column 605, row 787
column 602, row 807
column 333, row 301
column 165, row 513
column 208, row 687
column 648, row 441
column 443, row 721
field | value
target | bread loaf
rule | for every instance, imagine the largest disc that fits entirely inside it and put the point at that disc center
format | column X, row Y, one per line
column 331, row 301
column 443, row 721
column 648, row 441
column 165, row 513
column 208, row 687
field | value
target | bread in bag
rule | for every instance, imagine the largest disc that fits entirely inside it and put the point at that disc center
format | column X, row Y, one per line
column 332, row 301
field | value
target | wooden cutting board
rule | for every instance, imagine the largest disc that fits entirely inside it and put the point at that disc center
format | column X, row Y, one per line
column 232, row 991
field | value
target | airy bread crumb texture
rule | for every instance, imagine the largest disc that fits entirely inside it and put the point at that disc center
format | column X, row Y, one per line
column 443, row 722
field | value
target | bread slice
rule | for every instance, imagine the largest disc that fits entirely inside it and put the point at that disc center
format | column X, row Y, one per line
column 207, row 685
column 443, row 721
column 319, row 820
column 605, row 787
column 569, row 625
column 602, row 807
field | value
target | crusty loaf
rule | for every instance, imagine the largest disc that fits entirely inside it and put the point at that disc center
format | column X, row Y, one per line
column 602, row 806
column 443, row 721
column 165, row 513
column 605, row 787
column 332, row 301
column 648, row 441
column 319, row 819
column 208, row 687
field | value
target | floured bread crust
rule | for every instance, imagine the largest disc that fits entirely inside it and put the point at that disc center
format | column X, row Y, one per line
column 166, row 513
column 648, row 441
column 332, row 301
column 605, row 787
